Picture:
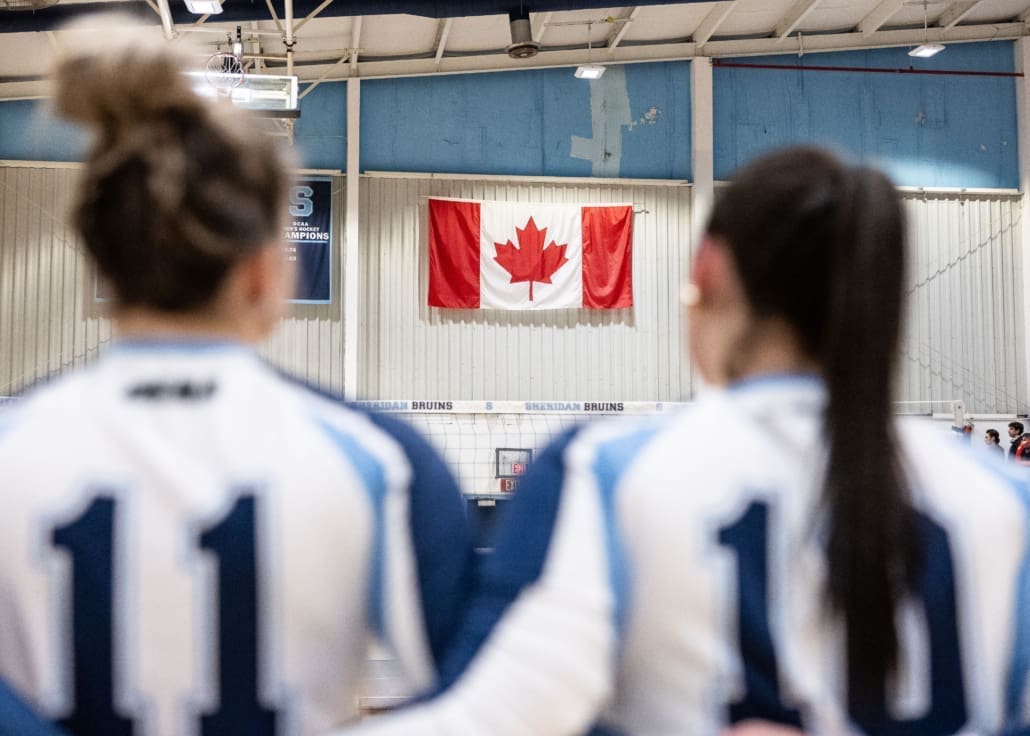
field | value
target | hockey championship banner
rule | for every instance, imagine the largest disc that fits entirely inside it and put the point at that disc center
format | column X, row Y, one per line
column 308, row 237
column 518, row 255
column 307, row 240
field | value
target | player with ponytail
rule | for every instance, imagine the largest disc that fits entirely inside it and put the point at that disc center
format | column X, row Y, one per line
column 783, row 550
column 191, row 542
column 818, row 246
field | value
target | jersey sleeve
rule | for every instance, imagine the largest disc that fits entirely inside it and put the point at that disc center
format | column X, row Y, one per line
column 18, row 719
column 1018, row 695
column 440, row 538
column 536, row 651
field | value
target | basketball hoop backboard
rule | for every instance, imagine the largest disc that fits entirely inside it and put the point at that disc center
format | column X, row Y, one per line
column 268, row 95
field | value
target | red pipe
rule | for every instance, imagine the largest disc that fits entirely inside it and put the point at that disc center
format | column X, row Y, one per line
column 867, row 70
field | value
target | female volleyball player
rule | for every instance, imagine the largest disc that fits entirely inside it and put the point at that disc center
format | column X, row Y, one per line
column 190, row 543
column 829, row 568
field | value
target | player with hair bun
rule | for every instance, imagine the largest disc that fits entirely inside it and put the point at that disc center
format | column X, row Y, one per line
column 192, row 543
column 830, row 569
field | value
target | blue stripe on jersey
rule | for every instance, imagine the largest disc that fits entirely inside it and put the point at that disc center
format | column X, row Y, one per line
column 374, row 480
column 182, row 344
column 442, row 541
column 766, row 380
column 18, row 719
column 523, row 540
column 1019, row 674
column 1019, row 669
column 440, row 535
column 613, row 458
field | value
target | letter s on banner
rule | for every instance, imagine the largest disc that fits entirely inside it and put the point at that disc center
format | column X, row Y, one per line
column 300, row 201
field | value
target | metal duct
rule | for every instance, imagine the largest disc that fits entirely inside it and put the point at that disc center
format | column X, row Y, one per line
column 522, row 44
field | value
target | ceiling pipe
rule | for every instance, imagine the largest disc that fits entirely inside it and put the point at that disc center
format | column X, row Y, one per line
column 862, row 69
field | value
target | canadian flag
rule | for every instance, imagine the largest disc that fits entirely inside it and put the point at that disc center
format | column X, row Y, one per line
column 515, row 255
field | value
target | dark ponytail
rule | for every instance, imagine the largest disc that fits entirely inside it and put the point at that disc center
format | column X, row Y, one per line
column 820, row 244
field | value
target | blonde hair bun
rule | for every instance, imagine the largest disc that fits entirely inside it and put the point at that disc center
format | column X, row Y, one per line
column 114, row 71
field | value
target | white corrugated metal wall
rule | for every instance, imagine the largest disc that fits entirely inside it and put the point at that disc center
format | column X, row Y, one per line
column 49, row 320
column 965, row 327
column 409, row 350
column 309, row 342
column 964, row 339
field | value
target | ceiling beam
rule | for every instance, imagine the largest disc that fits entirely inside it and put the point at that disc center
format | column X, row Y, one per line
column 202, row 19
column 472, row 63
column 539, row 26
column 816, row 43
column 325, row 75
column 794, row 17
column 166, row 19
column 879, row 15
column 289, row 38
column 621, row 27
column 275, row 17
column 355, row 44
column 255, row 45
column 441, row 38
column 957, row 12
column 312, row 15
column 715, row 18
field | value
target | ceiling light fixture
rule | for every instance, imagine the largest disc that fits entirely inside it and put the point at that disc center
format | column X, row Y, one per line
column 204, row 7
column 926, row 49
column 589, row 71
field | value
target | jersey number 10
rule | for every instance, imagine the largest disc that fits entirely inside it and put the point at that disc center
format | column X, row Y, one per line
column 748, row 537
column 89, row 540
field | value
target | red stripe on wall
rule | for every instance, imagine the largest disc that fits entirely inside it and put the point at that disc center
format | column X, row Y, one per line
column 453, row 254
column 608, row 257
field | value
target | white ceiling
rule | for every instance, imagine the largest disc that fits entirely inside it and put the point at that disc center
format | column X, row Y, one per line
column 406, row 45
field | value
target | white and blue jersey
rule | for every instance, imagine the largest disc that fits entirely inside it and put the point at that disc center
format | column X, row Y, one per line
column 193, row 544
column 667, row 577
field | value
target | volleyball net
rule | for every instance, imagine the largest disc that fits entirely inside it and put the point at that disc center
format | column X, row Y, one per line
column 489, row 444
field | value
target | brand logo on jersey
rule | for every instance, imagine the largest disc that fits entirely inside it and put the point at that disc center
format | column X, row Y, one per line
column 177, row 391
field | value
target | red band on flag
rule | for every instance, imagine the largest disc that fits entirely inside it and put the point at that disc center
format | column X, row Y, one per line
column 453, row 254
column 607, row 257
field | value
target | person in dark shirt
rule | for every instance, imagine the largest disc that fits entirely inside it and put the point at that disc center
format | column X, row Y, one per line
column 1017, row 451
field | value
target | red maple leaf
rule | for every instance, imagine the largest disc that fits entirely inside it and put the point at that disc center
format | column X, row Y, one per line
column 530, row 260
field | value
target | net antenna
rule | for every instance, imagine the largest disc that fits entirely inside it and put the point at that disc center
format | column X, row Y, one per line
column 225, row 70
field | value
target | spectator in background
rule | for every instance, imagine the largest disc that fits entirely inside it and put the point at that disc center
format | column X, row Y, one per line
column 993, row 441
column 1019, row 448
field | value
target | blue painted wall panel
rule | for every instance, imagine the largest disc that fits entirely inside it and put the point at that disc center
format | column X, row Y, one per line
column 634, row 121
column 956, row 131
column 29, row 131
column 320, row 134
column 657, row 145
